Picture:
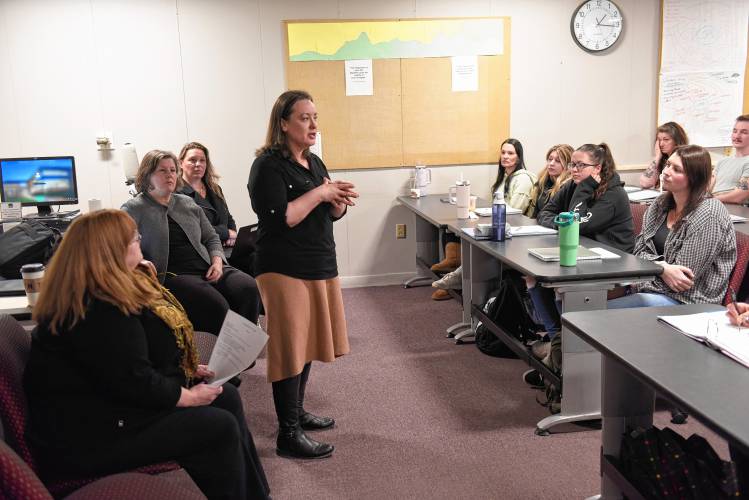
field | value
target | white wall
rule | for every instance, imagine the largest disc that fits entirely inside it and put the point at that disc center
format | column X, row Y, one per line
column 161, row 72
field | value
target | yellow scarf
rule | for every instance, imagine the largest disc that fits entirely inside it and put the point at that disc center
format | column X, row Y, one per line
column 171, row 312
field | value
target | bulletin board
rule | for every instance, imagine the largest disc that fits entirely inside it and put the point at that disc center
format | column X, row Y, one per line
column 413, row 116
column 703, row 81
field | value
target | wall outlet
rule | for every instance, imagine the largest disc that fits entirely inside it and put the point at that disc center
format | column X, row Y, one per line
column 400, row 231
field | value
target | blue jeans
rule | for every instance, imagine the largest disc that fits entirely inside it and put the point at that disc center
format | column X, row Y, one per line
column 642, row 299
column 547, row 309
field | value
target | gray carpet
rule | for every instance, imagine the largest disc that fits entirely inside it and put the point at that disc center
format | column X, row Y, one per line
column 419, row 417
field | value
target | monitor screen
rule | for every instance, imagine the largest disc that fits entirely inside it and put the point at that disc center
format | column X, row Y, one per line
column 39, row 182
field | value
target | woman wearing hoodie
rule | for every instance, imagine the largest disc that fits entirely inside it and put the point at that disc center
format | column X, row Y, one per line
column 597, row 194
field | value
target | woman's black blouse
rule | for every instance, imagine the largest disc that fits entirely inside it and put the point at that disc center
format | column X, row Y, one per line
column 183, row 258
column 307, row 250
column 215, row 208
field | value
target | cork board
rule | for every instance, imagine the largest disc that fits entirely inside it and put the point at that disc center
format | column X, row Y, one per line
column 413, row 116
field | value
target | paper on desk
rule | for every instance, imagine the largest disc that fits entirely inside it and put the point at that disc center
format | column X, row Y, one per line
column 487, row 211
column 643, row 194
column 531, row 230
column 725, row 337
column 738, row 218
column 632, row 189
column 605, row 254
column 239, row 343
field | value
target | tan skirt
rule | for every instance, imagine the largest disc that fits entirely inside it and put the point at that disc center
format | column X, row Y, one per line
column 304, row 320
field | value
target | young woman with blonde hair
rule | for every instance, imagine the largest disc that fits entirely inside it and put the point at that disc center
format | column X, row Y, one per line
column 113, row 381
column 552, row 178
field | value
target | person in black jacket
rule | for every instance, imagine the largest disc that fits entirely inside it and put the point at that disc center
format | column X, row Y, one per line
column 114, row 384
column 597, row 195
column 200, row 182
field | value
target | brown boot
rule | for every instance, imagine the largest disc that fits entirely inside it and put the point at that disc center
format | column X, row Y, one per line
column 440, row 295
column 451, row 261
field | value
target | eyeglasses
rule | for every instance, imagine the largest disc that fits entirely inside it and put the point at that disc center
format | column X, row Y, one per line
column 580, row 165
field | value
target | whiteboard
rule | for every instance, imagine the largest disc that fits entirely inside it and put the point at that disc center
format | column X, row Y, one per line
column 703, row 59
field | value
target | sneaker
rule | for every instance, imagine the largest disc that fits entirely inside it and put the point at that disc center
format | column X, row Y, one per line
column 541, row 349
column 534, row 379
column 450, row 281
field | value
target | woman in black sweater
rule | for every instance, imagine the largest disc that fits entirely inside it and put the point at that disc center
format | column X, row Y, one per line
column 200, row 182
column 114, row 384
column 597, row 195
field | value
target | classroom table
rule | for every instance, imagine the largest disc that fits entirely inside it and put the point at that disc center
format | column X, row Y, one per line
column 741, row 227
column 643, row 357
column 432, row 217
column 17, row 306
column 582, row 287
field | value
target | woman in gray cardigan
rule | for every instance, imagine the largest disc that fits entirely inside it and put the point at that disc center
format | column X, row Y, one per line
column 180, row 241
column 687, row 233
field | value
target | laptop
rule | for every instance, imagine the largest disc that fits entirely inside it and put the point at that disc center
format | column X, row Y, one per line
column 551, row 254
column 11, row 288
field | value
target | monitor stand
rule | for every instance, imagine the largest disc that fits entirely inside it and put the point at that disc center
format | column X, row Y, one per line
column 42, row 212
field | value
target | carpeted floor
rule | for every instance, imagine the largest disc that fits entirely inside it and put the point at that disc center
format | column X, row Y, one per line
column 419, row 417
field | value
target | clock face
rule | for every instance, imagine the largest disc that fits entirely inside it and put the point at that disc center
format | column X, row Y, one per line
column 596, row 25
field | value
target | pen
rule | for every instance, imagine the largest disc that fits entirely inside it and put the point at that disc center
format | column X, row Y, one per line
column 733, row 301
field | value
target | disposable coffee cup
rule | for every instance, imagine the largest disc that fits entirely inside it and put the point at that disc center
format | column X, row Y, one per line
column 32, row 275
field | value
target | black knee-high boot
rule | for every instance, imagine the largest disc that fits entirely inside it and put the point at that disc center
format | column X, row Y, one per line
column 292, row 441
column 308, row 421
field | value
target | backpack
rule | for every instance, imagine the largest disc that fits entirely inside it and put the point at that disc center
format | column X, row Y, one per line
column 28, row 242
column 509, row 307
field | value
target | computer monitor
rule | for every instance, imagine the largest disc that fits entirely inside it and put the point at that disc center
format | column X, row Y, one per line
column 39, row 182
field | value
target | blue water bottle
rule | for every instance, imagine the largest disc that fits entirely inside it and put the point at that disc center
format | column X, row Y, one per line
column 499, row 216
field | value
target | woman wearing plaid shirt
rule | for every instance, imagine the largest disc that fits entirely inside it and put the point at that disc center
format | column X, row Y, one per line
column 689, row 234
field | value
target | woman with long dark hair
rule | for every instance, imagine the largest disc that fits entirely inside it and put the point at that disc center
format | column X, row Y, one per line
column 688, row 233
column 668, row 137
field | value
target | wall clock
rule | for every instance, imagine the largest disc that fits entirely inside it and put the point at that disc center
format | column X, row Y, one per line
column 596, row 25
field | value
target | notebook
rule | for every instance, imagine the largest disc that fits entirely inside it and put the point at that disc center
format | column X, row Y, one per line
column 714, row 330
column 644, row 194
column 551, row 254
column 487, row 211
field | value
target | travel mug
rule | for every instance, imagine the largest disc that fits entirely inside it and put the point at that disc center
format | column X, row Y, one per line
column 463, row 198
column 32, row 275
column 569, row 238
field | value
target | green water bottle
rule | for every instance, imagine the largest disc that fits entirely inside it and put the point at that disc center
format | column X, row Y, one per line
column 569, row 237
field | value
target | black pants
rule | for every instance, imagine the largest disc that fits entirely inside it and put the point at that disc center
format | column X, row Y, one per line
column 206, row 303
column 212, row 443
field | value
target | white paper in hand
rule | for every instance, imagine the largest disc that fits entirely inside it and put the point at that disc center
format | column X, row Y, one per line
column 239, row 343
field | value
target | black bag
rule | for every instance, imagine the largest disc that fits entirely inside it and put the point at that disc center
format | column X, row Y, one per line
column 28, row 242
column 660, row 463
column 243, row 254
column 509, row 308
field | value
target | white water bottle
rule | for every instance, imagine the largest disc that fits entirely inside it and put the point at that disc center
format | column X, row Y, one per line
column 463, row 198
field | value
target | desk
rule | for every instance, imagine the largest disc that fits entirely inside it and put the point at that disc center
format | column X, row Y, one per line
column 583, row 287
column 741, row 227
column 432, row 217
column 642, row 357
column 16, row 307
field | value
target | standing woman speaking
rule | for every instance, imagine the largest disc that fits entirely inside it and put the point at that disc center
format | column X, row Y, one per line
column 295, row 264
